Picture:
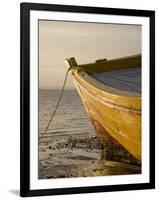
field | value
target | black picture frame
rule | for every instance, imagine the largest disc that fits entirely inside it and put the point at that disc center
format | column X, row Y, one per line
column 25, row 9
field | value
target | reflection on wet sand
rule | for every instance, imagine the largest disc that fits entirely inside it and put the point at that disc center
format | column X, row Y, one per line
column 77, row 157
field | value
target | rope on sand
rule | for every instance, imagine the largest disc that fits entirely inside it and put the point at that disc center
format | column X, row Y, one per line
column 57, row 105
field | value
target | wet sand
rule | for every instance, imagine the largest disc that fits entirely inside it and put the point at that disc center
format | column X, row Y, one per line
column 78, row 156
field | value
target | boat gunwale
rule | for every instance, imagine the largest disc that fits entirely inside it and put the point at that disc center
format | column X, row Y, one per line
column 103, row 101
column 103, row 87
column 83, row 72
column 131, row 61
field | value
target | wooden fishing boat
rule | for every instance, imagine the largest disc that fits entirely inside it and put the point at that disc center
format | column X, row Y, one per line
column 111, row 93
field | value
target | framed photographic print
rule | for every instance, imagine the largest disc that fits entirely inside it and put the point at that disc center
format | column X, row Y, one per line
column 87, row 99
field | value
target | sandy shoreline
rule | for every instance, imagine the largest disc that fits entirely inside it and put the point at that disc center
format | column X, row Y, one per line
column 77, row 156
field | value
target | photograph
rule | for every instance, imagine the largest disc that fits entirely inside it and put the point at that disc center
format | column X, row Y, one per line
column 89, row 99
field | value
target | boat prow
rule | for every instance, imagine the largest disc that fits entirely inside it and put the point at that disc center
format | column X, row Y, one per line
column 111, row 94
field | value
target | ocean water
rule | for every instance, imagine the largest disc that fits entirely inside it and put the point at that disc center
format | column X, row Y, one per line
column 70, row 118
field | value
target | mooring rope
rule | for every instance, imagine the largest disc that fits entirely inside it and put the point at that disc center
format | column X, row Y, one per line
column 58, row 102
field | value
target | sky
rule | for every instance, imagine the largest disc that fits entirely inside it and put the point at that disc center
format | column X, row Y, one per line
column 86, row 42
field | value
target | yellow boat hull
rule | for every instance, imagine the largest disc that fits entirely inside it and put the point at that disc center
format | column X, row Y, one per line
column 113, row 113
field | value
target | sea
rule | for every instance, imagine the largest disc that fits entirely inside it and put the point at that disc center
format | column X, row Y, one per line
column 70, row 118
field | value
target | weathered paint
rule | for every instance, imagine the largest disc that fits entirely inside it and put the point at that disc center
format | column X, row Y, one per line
column 112, row 149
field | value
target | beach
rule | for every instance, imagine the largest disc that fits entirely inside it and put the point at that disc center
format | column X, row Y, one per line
column 77, row 157
column 70, row 147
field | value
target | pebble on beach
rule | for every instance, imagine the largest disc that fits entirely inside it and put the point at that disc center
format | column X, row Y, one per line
column 77, row 157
